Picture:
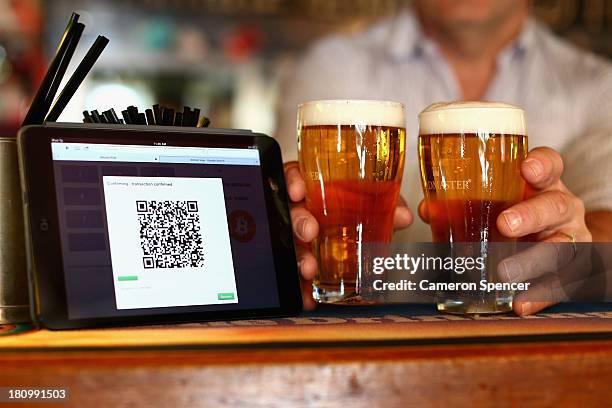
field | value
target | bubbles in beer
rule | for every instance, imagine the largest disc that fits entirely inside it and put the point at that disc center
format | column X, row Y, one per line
column 352, row 159
column 470, row 155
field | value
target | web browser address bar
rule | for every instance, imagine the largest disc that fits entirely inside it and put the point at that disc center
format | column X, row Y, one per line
column 213, row 159
column 232, row 153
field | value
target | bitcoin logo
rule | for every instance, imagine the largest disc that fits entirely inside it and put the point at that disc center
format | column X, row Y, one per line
column 242, row 226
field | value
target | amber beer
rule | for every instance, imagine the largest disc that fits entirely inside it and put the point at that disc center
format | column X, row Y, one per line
column 351, row 157
column 470, row 155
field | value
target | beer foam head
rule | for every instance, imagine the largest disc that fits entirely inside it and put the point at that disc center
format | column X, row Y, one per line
column 472, row 117
column 352, row 112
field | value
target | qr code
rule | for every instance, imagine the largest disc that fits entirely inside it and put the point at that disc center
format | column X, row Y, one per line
column 170, row 235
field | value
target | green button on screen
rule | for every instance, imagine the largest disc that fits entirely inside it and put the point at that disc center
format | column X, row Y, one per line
column 225, row 296
column 127, row 278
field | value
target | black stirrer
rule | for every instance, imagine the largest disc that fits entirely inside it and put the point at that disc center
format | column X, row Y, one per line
column 74, row 18
column 150, row 118
column 126, row 117
column 87, row 117
column 115, row 117
column 186, row 116
column 36, row 113
column 168, row 116
column 77, row 31
column 109, row 116
column 133, row 114
column 101, row 117
column 178, row 119
column 96, row 116
column 77, row 78
column 157, row 112
column 196, row 117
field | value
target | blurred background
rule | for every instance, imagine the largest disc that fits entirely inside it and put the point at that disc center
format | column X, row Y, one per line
column 224, row 56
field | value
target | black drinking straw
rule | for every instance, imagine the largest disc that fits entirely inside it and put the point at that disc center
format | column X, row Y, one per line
column 96, row 116
column 186, row 116
column 77, row 31
column 126, row 116
column 87, row 117
column 101, row 118
column 115, row 117
column 196, row 117
column 158, row 114
column 168, row 116
column 77, row 78
column 109, row 117
column 36, row 113
column 133, row 114
column 178, row 119
column 150, row 118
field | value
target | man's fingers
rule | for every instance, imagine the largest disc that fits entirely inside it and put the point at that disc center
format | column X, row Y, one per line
column 570, row 283
column 541, row 212
column 402, row 218
column 542, row 168
column 307, row 301
column 569, row 261
column 296, row 188
column 307, row 263
column 523, row 308
column 535, row 261
column 305, row 226
column 424, row 211
column 541, row 294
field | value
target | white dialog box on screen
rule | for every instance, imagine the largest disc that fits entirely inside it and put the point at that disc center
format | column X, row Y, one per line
column 169, row 242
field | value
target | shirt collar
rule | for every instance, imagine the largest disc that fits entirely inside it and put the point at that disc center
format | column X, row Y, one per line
column 405, row 36
column 526, row 39
column 407, row 40
column 521, row 46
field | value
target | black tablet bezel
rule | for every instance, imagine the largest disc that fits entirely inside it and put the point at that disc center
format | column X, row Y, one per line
column 46, row 274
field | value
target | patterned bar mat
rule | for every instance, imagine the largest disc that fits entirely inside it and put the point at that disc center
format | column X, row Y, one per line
column 395, row 324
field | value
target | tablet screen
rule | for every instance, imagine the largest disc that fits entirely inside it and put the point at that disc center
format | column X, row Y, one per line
column 152, row 229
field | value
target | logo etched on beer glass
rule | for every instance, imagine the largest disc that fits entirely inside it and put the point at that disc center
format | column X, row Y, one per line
column 470, row 155
column 351, row 155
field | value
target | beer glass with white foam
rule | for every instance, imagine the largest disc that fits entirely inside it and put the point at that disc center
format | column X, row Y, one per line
column 470, row 156
column 351, row 155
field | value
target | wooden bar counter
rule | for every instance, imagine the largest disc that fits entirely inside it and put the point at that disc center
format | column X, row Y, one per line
column 396, row 356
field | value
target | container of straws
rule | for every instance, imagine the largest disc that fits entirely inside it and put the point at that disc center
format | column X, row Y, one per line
column 46, row 107
column 158, row 116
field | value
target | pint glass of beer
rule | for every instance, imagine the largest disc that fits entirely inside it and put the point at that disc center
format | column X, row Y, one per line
column 351, row 155
column 470, row 156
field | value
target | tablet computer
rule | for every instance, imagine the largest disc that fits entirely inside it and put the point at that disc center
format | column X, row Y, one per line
column 142, row 225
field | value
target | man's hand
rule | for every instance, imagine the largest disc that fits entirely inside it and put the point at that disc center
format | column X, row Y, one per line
column 306, row 228
column 551, row 213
